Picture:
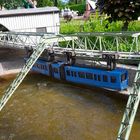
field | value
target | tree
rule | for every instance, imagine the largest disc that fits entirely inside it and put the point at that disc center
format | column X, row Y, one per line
column 28, row 4
column 73, row 2
column 42, row 3
column 11, row 4
column 55, row 3
column 1, row 4
column 124, row 10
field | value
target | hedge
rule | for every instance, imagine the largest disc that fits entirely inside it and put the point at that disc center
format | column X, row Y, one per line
column 95, row 25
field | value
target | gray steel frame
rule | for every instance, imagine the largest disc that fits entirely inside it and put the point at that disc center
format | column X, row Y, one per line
column 84, row 45
column 131, row 109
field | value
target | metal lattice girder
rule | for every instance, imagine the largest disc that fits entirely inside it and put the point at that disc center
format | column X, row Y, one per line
column 46, row 42
column 131, row 109
column 21, row 39
column 83, row 44
column 126, row 44
column 93, row 45
column 102, row 41
column 14, row 85
column 29, row 39
column 88, row 46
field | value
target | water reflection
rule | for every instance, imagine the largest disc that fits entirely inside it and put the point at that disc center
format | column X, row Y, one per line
column 44, row 109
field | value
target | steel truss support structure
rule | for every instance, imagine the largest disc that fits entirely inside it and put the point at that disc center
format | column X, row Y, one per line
column 131, row 109
column 45, row 43
column 85, row 45
column 20, row 40
column 14, row 85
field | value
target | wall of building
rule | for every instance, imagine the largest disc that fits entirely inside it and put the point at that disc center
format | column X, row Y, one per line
column 31, row 23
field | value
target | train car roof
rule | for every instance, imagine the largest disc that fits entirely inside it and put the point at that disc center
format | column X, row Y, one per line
column 117, row 70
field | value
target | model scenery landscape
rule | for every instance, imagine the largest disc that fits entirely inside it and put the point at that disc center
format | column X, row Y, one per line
column 76, row 58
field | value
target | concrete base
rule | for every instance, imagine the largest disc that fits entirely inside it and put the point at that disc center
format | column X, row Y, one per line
column 11, row 61
column 7, row 68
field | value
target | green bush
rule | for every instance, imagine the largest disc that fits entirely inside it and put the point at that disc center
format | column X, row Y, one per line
column 134, row 26
column 96, row 25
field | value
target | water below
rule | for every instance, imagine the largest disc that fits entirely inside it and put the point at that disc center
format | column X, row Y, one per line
column 44, row 109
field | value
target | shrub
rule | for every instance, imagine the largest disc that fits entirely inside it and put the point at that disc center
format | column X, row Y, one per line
column 96, row 25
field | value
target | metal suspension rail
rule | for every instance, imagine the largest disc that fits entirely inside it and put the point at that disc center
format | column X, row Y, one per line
column 85, row 45
column 131, row 109
column 14, row 85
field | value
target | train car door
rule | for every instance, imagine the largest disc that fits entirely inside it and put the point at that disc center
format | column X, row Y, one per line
column 62, row 72
column 50, row 70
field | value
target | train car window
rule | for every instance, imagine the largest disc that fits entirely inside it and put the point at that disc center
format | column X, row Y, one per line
column 95, row 77
column 113, row 79
column 105, row 78
column 41, row 66
column 38, row 66
column 89, row 75
column 74, row 73
column 55, row 70
column 68, row 72
column 81, row 74
column 45, row 67
column 123, row 77
column 99, row 78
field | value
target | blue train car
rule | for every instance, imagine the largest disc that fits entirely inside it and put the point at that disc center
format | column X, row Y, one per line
column 42, row 67
column 56, row 69
column 116, row 79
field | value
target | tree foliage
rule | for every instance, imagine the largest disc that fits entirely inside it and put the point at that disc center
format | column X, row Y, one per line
column 72, row 2
column 124, row 10
column 42, row 3
column 11, row 4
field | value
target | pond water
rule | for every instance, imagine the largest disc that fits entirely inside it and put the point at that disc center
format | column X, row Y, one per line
column 44, row 109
